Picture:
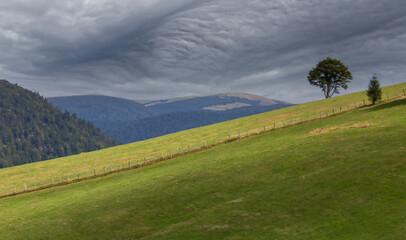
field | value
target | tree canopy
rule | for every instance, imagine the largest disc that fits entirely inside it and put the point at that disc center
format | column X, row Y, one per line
column 330, row 75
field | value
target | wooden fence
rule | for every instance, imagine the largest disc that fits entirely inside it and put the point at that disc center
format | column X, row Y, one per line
column 190, row 148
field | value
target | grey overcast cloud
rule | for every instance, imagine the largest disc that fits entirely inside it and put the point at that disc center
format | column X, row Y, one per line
column 156, row 49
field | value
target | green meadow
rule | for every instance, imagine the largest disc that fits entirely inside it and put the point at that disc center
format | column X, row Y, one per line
column 36, row 174
column 342, row 177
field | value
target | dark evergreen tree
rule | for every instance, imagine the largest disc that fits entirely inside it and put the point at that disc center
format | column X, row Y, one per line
column 374, row 91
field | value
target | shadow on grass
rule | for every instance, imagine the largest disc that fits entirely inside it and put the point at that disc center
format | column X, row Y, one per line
column 386, row 105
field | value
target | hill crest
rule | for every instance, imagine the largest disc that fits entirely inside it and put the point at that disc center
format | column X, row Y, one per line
column 263, row 101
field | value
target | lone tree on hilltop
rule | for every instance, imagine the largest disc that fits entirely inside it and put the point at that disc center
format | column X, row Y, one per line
column 329, row 75
column 374, row 91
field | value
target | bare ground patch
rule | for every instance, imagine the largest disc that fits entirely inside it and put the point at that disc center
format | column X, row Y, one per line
column 235, row 201
column 361, row 125
column 319, row 131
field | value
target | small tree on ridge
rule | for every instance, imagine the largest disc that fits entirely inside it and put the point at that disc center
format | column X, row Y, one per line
column 374, row 91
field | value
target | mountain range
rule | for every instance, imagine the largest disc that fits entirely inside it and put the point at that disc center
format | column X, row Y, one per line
column 129, row 120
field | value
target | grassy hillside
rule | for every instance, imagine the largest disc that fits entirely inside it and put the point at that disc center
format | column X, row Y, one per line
column 45, row 171
column 342, row 177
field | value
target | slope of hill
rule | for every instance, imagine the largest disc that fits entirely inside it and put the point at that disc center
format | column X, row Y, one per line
column 137, row 130
column 128, row 121
column 341, row 177
column 32, row 130
column 212, row 102
column 96, row 108
column 43, row 172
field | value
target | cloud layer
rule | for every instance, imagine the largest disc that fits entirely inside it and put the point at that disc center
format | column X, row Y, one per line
column 153, row 49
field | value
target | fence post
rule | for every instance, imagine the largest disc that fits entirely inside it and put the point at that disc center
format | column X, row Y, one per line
column 195, row 146
column 67, row 177
column 274, row 125
column 326, row 113
column 348, row 108
column 300, row 119
column 112, row 168
column 364, row 101
column 293, row 121
column 247, row 133
column 155, row 156
column 308, row 117
column 145, row 159
column 320, row 115
column 104, row 169
column 163, row 156
column 35, row 185
column 214, row 141
column 94, row 171
column 52, row 181
column 340, row 109
column 6, row 191
column 355, row 103
column 25, row 186
column 257, row 130
column 283, row 123
column 396, row 93
column 264, row 128
column 60, row 180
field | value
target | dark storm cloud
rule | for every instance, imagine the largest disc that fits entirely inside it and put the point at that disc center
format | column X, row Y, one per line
column 153, row 49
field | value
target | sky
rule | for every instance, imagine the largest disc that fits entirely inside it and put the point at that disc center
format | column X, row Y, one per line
column 158, row 49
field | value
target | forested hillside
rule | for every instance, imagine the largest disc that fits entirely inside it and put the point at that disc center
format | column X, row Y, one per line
column 33, row 130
